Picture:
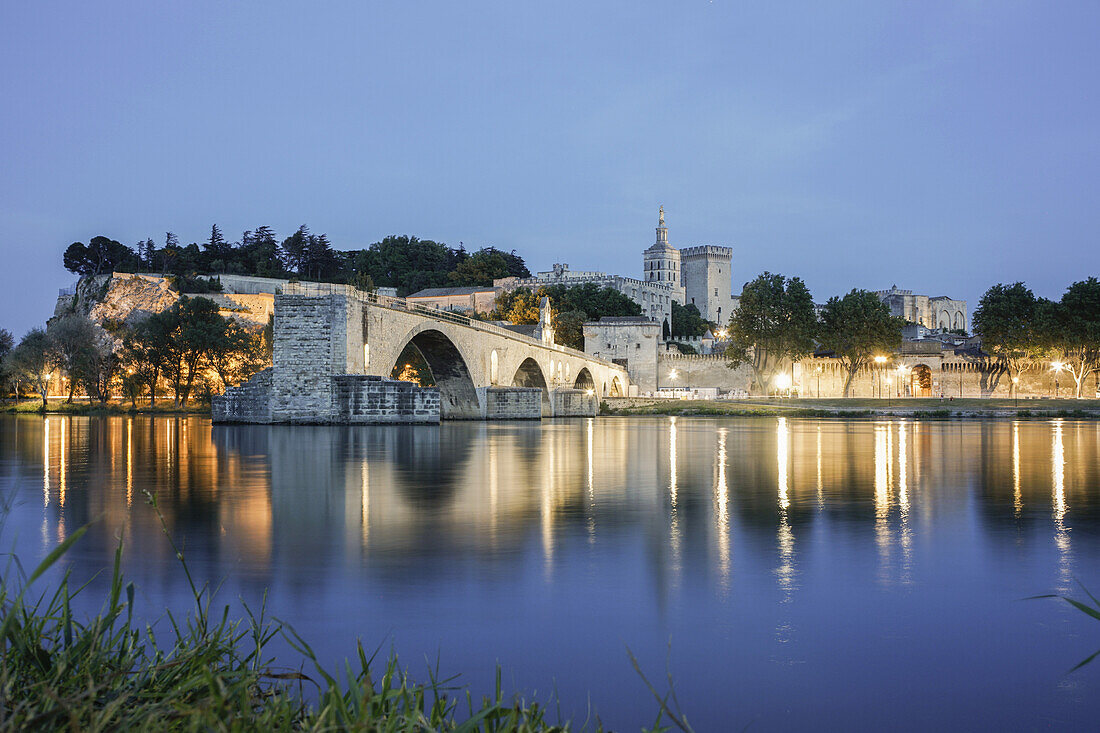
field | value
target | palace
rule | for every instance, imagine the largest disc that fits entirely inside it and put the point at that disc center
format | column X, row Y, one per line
column 931, row 312
column 695, row 275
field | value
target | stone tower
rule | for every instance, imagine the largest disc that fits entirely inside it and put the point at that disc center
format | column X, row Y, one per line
column 706, row 276
column 662, row 261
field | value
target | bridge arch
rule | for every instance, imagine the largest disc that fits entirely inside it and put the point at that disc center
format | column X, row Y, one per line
column 584, row 380
column 529, row 374
column 457, row 396
column 616, row 388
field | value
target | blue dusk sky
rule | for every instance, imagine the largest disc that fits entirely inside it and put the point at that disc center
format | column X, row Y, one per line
column 939, row 146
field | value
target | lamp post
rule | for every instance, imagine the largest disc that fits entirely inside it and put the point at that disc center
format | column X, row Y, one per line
column 1016, row 390
column 889, row 391
column 880, row 360
column 902, row 370
column 1056, row 367
column 783, row 382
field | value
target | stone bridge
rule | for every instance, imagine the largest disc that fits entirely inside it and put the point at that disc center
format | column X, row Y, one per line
column 334, row 353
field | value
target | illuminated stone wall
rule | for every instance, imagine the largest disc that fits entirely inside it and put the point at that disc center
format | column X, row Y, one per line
column 701, row 370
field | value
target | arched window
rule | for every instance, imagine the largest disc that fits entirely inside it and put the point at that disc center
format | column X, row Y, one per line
column 493, row 368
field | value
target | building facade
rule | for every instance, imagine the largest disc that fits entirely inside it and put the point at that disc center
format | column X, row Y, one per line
column 707, row 284
column 462, row 300
column 935, row 312
column 630, row 342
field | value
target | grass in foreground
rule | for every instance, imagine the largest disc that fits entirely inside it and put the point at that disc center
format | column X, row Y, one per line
column 213, row 673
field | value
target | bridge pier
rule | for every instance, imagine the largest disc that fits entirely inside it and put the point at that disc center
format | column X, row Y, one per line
column 511, row 403
column 574, row 403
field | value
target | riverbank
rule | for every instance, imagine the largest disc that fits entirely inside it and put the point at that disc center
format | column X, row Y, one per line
column 83, row 407
column 857, row 408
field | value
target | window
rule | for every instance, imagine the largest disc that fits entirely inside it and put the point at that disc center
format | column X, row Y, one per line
column 716, row 292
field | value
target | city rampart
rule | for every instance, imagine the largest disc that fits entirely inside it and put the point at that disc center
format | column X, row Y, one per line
column 702, row 370
column 933, row 375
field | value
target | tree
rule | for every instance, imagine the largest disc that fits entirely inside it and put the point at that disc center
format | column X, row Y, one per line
column 216, row 250
column 569, row 328
column 168, row 254
column 259, row 254
column 519, row 306
column 1006, row 320
column 198, row 327
column 147, row 252
column 687, row 322
column 294, row 248
column 100, row 255
column 775, row 323
column 74, row 342
column 33, row 361
column 236, row 354
column 7, row 343
column 321, row 260
column 486, row 265
column 407, row 263
column 855, row 328
column 1071, row 330
column 147, row 349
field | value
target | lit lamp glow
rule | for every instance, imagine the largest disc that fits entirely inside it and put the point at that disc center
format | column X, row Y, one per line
column 1056, row 367
column 783, row 382
column 902, row 371
column 880, row 360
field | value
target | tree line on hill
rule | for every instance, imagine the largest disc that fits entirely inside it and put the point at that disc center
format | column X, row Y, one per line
column 776, row 325
column 406, row 263
column 185, row 348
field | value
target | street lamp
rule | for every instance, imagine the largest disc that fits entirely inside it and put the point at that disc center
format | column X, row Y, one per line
column 783, row 382
column 880, row 360
column 889, row 389
column 1056, row 367
column 1016, row 390
column 902, row 370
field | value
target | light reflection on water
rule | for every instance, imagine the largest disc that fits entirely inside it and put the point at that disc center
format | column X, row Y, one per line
column 866, row 566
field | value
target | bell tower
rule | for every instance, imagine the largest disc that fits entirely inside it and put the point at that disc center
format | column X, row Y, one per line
column 661, row 262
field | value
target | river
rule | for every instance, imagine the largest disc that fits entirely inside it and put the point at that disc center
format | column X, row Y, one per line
column 789, row 574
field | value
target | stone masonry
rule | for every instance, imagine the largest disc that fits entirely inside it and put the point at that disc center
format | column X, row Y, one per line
column 333, row 356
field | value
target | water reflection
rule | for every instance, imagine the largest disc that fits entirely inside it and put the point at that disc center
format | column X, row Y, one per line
column 727, row 531
column 721, row 512
column 784, row 535
column 1061, row 532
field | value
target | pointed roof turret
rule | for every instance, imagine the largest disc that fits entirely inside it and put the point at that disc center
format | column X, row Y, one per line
column 662, row 230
